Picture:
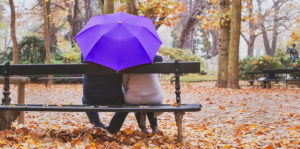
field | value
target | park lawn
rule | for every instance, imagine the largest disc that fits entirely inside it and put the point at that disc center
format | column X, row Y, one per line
column 229, row 119
column 192, row 78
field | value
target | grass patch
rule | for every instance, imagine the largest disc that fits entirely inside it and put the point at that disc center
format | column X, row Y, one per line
column 191, row 78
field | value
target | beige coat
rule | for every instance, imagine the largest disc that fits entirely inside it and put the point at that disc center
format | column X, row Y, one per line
column 142, row 89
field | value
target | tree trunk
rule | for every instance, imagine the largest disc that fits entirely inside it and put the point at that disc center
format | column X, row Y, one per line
column 131, row 7
column 214, row 48
column 182, row 43
column 252, row 29
column 53, row 37
column 206, row 42
column 101, row 5
column 75, row 22
column 46, row 30
column 235, row 25
column 275, row 27
column 13, row 31
column 251, row 45
column 88, row 10
column 46, row 5
column 108, row 6
column 266, row 40
column 223, row 44
column 276, row 5
column 189, row 25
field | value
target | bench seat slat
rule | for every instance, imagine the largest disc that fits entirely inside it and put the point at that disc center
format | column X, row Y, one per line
column 99, row 108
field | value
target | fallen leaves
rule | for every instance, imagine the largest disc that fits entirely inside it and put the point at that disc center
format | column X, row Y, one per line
column 128, row 132
column 229, row 119
column 89, row 137
column 175, row 104
column 221, row 107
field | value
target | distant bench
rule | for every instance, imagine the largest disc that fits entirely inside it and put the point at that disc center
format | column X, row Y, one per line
column 272, row 75
column 9, row 112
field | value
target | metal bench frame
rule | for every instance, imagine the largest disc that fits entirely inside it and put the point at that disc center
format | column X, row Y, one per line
column 267, row 73
column 9, row 112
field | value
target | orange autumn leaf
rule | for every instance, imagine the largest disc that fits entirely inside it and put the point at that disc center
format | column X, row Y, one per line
column 269, row 147
column 242, row 104
column 259, row 133
column 128, row 131
column 175, row 104
column 221, row 107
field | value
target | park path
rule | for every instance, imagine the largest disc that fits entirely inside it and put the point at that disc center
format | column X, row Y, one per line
column 245, row 118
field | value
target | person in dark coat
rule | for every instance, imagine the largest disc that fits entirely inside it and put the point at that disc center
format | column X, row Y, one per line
column 104, row 90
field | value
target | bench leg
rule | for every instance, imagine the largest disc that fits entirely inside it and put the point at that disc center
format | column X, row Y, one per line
column 264, row 84
column 178, row 118
column 251, row 82
column 6, row 118
column 143, row 119
column 21, row 100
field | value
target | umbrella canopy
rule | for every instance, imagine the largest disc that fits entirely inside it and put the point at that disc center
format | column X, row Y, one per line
column 119, row 40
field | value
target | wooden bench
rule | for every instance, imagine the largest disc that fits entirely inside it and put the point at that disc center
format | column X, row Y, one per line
column 21, row 82
column 272, row 75
column 9, row 112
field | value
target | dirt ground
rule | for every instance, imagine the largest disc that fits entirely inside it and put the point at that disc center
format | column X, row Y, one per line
column 251, row 117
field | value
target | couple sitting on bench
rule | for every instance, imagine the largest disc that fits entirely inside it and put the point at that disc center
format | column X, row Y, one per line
column 107, row 90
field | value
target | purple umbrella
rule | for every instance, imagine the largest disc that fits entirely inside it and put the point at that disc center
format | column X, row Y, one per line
column 119, row 40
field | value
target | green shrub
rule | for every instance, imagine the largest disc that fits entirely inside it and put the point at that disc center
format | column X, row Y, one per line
column 180, row 54
column 170, row 54
column 284, row 57
column 267, row 62
column 72, row 55
column 246, row 66
column 296, row 65
column 257, row 64
column 31, row 51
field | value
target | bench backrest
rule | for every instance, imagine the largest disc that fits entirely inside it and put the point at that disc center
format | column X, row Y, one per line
column 88, row 68
column 282, row 71
column 43, row 69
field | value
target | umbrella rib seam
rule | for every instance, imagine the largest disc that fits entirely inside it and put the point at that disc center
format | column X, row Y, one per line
column 139, row 42
column 98, row 40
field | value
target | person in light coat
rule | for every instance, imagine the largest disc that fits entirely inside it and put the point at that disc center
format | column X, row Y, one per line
column 144, row 89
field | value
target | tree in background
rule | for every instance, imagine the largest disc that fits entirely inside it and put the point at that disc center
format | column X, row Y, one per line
column 88, row 10
column 252, row 26
column 46, row 14
column 295, row 36
column 13, row 31
column 131, row 7
column 46, row 6
column 223, row 42
column 235, row 29
column 74, row 21
column 278, row 18
column 161, row 12
column 209, row 22
column 188, row 21
column 229, row 26
column 106, row 6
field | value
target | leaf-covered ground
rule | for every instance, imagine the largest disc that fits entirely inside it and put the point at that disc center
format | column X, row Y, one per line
column 245, row 118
